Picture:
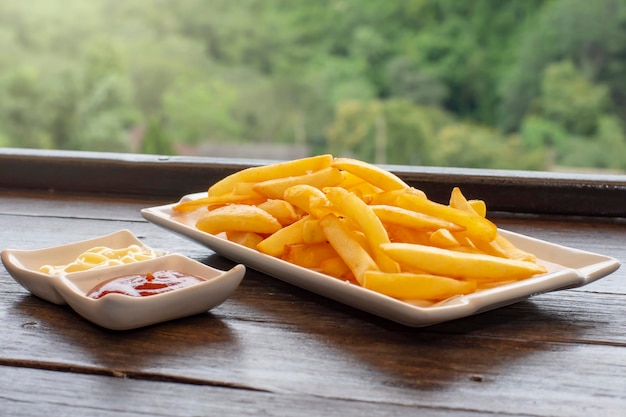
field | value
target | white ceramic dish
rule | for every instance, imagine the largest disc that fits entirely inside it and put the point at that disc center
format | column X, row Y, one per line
column 23, row 265
column 567, row 268
column 122, row 312
column 115, row 311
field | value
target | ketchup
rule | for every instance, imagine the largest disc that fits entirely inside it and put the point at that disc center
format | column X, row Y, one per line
column 143, row 285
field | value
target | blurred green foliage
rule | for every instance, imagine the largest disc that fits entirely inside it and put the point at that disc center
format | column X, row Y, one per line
column 532, row 84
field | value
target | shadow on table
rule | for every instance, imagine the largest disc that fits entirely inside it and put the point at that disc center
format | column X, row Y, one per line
column 404, row 357
column 70, row 338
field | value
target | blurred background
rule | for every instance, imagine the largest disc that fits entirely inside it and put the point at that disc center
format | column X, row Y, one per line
column 517, row 84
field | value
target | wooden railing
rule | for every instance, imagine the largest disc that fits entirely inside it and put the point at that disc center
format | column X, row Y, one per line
column 531, row 192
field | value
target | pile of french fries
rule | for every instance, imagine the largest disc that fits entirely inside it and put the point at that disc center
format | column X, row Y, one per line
column 358, row 222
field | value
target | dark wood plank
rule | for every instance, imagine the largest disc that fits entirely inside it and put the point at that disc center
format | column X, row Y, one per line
column 368, row 361
column 32, row 392
column 37, row 204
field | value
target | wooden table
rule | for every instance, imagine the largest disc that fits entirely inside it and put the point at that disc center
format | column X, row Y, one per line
column 274, row 349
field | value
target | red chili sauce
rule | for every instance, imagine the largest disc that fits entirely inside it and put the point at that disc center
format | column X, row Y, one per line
column 143, row 285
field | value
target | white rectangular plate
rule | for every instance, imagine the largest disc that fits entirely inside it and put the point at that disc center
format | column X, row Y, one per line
column 567, row 268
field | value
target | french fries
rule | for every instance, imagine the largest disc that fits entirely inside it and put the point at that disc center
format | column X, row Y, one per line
column 275, row 243
column 360, row 223
column 346, row 244
column 240, row 218
column 269, row 172
column 416, row 286
column 352, row 207
column 372, row 174
column 460, row 265
column 275, row 188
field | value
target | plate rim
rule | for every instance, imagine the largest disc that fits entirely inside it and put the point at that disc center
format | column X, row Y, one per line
column 44, row 285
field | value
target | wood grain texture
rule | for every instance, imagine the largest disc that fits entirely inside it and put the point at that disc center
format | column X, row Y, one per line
column 274, row 349
column 105, row 396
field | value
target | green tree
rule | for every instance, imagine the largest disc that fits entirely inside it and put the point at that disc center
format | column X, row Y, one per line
column 412, row 131
column 154, row 140
column 467, row 46
column 104, row 112
column 474, row 146
column 573, row 119
column 23, row 107
column 104, row 117
column 571, row 99
column 353, row 132
column 539, row 132
column 591, row 34
column 198, row 110
column 385, row 80
column 4, row 140
column 406, row 81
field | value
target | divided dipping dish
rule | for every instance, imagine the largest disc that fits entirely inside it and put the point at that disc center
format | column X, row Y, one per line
column 118, row 311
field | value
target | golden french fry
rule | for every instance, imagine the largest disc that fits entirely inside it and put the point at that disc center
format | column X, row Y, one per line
column 192, row 205
column 399, row 233
column 512, row 251
column 362, row 214
column 274, row 244
column 308, row 198
column 238, row 217
column 246, row 188
column 386, row 197
column 365, row 190
column 282, row 210
column 373, row 174
column 499, row 246
column 479, row 207
column 409, row 286
column 247, row 239
column 412, row 219
column 475, row 225
column 309, row 255
column 335, row 267
column 464, row 241
column 275, row 188
column 490, row 248
column 350, row 180
column 470, row 266
column 268, row 172
column 359, row 236
column 442, row 238
column 458, row 200
column 465, row 248
column 312, row 232
column 342, row 238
